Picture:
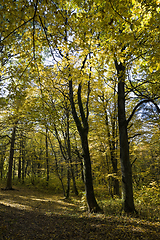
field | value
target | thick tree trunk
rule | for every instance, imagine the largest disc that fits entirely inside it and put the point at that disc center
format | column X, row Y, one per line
column 11, row 154
column 124, row 146
column 83, row 132
column 91, row 201
column 81, row 163
column 3, row 153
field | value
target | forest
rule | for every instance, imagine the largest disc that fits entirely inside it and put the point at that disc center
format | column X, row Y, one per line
column 80, row 104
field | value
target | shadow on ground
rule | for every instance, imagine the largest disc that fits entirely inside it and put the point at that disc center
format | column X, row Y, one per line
column 32, row 215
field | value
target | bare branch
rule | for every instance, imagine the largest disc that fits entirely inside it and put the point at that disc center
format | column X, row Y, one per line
column 133, row 162
column 138, row 105
column 135, row 135
column 17, row 29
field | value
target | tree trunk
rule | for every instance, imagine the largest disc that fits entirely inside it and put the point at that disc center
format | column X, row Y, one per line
column 91, row 201
column 47, row 158
column 81, row 163
column 14, row 168
column 26, row 171
column 73, row 179
column 68, row 150
column 19, row 160
column 19, row 168
column 83, row 132
column 23, row 161
column 11, row 154
column 3, row 155
column 68, row 182
column 70, row 166
column 127, row 187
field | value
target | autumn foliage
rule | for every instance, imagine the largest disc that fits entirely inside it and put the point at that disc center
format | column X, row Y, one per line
column 79, row 102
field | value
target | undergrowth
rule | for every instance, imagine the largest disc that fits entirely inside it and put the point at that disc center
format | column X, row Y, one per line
column 147, row 199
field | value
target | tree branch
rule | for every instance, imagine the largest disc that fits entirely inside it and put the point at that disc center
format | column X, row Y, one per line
column 75, row 116
column 133, row 162
column 17, row 29
column 87, row 103
column 138, row 105
column 81, row 109
column 135, row 135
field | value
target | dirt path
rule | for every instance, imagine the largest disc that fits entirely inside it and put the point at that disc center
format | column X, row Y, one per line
column 30, row 215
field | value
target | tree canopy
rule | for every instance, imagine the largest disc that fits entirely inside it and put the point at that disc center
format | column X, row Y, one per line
column 80, row 93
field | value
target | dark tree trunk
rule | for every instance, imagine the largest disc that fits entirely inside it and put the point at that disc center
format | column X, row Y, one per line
column 81, row 163
column 83, row 132
column 19, row 168
column 19, row 161
column 3, row 155
column 14, row 168
column 115, row 170
column 127, row 187
column 47, row 158
column 68, row 182
column 23, row 161
column 73, row 179
column 91, row 201
column 70, row 166
column 26, row 171
column 11, row 154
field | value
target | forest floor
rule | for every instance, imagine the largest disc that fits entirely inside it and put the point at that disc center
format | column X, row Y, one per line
column 27, row 214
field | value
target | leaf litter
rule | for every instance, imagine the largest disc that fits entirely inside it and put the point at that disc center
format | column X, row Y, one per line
column 27, row 215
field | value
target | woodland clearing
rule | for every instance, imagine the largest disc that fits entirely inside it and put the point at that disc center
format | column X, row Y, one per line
column 29, row 214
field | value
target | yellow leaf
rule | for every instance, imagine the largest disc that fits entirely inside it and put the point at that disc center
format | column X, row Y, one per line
column 150, row 69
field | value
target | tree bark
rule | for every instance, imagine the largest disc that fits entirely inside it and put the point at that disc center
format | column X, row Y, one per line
column 83, row 132
column 19, row 166
column 73, row 179
column 19, row 160
column 68, row 182
column 126, row 169
column 11, row 154
column 23, row 161
column 91, row 201
column 3, row 155
column 47, row 158
column 70, row 167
